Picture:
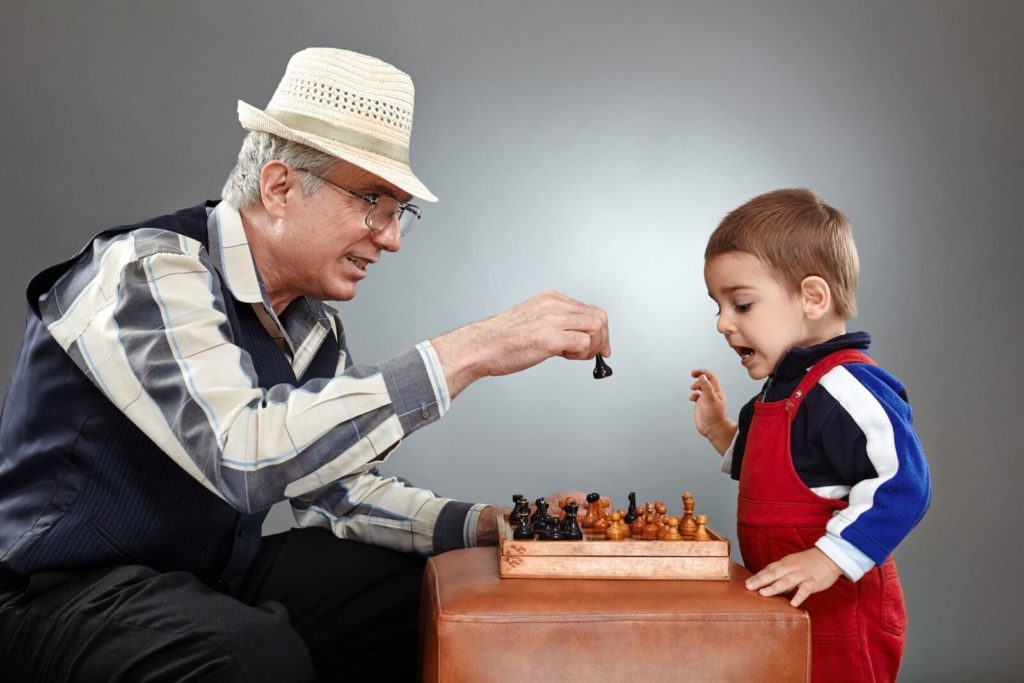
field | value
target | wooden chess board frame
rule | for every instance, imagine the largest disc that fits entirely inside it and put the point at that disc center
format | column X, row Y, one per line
column 599, row 558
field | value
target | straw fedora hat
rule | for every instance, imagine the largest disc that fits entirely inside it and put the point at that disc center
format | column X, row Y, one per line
column 351, row 106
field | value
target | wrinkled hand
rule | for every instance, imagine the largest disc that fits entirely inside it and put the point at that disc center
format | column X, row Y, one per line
column 550, row 324
column 561, row 496
column 487, row 525
column 710, row 414
column 810, row 571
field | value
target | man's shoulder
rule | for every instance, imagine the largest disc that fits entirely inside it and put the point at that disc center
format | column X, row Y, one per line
column 108, row 253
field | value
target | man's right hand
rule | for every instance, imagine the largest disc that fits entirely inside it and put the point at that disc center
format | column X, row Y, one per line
column 550, row 324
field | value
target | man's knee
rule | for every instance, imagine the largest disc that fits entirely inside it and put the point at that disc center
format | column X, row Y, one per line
column 257, row 645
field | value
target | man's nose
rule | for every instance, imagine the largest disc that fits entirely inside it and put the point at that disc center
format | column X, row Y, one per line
column 389, row 238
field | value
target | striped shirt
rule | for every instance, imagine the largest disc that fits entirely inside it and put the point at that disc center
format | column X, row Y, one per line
column 142, row 313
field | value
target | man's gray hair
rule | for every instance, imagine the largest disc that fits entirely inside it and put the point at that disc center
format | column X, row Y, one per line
column 242, row 189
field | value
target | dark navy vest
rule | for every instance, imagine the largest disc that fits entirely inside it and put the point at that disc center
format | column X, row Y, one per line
column 81, row 486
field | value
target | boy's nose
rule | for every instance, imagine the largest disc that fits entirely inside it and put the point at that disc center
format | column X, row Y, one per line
column 724, row 324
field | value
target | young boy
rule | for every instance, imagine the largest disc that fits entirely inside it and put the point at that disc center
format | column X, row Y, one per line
column 831, row 474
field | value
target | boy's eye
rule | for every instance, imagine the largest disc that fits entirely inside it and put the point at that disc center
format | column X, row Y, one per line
column 742, row 308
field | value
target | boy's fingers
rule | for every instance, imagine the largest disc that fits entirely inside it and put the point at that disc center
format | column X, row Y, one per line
column 802, row 593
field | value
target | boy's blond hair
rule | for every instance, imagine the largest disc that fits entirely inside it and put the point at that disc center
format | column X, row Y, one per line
column 797, row 235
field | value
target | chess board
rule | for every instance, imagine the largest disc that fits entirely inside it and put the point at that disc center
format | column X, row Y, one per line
column 599, row 558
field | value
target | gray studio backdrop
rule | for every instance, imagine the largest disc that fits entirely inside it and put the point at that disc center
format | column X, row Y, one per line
column 591, row 147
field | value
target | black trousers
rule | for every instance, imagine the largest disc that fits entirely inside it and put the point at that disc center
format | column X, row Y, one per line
column 311, row 607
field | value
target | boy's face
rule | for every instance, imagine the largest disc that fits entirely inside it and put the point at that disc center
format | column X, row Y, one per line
column 761, row 319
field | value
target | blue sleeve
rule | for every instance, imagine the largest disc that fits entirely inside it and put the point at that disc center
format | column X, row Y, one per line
column 884, row 508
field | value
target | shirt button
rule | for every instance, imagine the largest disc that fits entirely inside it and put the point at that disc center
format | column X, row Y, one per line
column 424, row 412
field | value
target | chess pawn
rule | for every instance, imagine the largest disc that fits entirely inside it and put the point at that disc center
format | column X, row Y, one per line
column 672, row 530
column 650, row 532
column 636, row 529
column 622, row 524
column 687, row 527
column 592, row 511
column 660, row 509
column 615, row 529
column 601, row 526
column 702, row 529
column 524, row 530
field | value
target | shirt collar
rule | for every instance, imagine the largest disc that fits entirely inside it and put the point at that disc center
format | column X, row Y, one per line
column 229, row 250
column 798, row 360
column 231, row 255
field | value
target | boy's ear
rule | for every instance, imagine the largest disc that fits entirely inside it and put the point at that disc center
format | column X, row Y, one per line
column 815, row 297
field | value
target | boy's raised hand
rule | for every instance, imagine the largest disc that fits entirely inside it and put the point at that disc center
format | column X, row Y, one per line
column 808, row 572
column 710, row 414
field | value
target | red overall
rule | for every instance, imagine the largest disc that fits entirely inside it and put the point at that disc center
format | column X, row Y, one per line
column 857, row 628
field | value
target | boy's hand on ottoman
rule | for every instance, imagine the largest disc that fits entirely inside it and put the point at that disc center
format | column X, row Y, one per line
column 808, row 572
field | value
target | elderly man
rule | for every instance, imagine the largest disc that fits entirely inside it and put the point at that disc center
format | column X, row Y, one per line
column 180, row 376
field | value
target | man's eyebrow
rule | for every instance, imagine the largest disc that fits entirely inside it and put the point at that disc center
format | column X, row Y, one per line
column 380, row 189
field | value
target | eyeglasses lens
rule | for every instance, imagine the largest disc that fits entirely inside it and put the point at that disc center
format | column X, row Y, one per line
column 386, row 210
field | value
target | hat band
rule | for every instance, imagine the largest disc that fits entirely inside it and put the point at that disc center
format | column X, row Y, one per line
column 345, row 136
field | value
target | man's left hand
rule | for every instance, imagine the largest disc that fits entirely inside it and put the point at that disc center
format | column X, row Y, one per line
column 487, row 525
column 808, row 572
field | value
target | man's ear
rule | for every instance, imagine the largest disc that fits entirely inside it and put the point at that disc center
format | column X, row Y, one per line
column 276, row 179
column 815, row 297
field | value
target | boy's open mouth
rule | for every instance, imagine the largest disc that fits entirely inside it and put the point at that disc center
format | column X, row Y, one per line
column 744, row 351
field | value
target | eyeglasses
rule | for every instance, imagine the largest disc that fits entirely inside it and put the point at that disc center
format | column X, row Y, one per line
column 383, row 210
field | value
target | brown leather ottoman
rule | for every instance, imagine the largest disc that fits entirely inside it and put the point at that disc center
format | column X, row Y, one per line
column 476, row 626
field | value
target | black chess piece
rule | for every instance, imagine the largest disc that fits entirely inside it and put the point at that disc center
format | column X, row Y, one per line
column 631, row 512
column 540, row 517
column 570, row 526
column 521, row 511
column 540, row 509
column 524, row 531
column 601, row 369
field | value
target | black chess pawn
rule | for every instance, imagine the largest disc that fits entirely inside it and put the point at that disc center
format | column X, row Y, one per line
column 601, row 369
column 550, row 530
column 524, row 531
column 631, row 512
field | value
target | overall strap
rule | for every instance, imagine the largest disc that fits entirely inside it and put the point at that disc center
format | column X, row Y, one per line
column 818, row 370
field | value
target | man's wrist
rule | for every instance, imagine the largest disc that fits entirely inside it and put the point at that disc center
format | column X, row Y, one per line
column 487, row 526
column 458, row 353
